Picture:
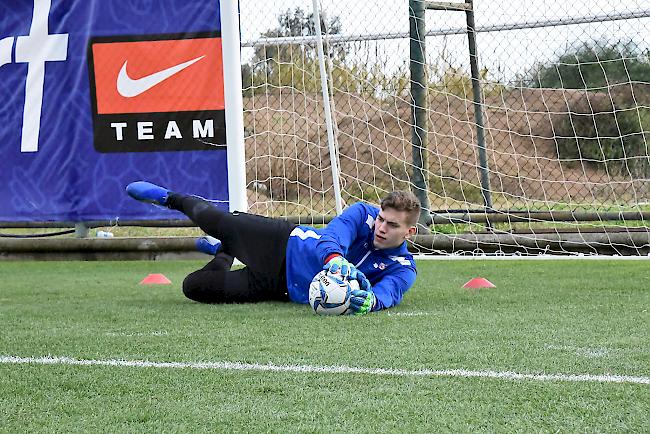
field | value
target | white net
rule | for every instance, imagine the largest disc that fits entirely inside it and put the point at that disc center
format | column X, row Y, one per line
column 565, row 99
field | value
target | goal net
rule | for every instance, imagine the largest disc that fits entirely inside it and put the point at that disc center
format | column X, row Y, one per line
column 564, row 98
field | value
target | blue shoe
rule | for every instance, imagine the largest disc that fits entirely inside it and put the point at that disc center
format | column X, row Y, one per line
column 208, row 245
column 148, row 192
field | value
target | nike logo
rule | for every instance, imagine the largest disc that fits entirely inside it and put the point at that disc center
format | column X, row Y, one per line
column 128, row 87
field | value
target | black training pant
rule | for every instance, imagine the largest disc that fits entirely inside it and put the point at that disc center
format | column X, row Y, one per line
column 258, row 242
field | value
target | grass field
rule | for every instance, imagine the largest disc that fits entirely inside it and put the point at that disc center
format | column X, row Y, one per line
column 445, row 360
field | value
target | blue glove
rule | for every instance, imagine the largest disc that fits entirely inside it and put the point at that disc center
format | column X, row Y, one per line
column 364, row 283
column 339, row 264
column 362, row 302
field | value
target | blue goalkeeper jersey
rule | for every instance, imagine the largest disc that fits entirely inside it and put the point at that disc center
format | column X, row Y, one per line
column 390, row 271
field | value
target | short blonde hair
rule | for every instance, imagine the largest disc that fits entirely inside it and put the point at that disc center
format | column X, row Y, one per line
column 403, row 201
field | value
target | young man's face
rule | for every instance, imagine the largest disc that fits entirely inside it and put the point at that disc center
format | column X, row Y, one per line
column 392, row 228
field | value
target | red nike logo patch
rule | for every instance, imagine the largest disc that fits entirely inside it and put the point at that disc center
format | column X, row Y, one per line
column 158, row 76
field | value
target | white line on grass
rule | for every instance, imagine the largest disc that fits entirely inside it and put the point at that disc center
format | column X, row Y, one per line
column 389, row 313
column 424, row 257
column 236, row 366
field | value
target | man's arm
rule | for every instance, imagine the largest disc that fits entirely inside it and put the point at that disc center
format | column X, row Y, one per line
column 387, row 292
column 337, row 237
column 391, row 288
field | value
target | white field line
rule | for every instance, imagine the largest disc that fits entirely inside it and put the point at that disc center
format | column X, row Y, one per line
column 424, row 257
column 236, row 366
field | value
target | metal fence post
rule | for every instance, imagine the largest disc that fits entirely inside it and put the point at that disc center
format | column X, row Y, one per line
column 80, row 230
column 478, row 106
column 417, row 31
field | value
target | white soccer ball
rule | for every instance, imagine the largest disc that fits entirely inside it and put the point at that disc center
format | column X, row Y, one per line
column 329, row 294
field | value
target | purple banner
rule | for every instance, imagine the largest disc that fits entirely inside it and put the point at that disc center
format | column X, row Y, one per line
column 97, row 94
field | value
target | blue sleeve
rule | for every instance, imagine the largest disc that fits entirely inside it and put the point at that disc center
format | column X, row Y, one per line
column 391, row 288
column 342, row 231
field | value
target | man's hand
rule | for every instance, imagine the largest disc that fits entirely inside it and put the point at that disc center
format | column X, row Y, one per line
column 364, row 283
column 339, row 264
column 362, row 302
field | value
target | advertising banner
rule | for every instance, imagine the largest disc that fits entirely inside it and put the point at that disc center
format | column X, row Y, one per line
column 96, row 94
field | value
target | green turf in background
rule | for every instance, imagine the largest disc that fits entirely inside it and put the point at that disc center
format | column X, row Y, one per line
column 569, row 317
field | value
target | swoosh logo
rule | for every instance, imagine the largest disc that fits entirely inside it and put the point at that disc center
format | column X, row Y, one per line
column 128, row 87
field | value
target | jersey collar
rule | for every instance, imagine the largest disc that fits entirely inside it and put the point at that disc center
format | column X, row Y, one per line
column 402, row 249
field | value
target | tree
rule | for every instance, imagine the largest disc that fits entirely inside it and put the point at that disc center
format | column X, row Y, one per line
column 593, row 66
column 287, row 64
column 608, row 126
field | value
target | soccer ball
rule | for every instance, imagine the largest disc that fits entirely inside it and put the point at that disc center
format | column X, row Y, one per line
column 329, row 294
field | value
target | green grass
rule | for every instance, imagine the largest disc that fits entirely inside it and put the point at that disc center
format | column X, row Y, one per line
column 568, row 317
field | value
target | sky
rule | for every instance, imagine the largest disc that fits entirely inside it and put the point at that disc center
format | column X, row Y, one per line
column 504, row 53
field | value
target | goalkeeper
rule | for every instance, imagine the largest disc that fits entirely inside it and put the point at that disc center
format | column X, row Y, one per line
column 365, row 243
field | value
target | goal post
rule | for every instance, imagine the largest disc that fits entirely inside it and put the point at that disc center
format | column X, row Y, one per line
column 234, row 106
column 329, row 123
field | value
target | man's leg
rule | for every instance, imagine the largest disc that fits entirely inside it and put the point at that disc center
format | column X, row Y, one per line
column 215, row 283
column 257, row 241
